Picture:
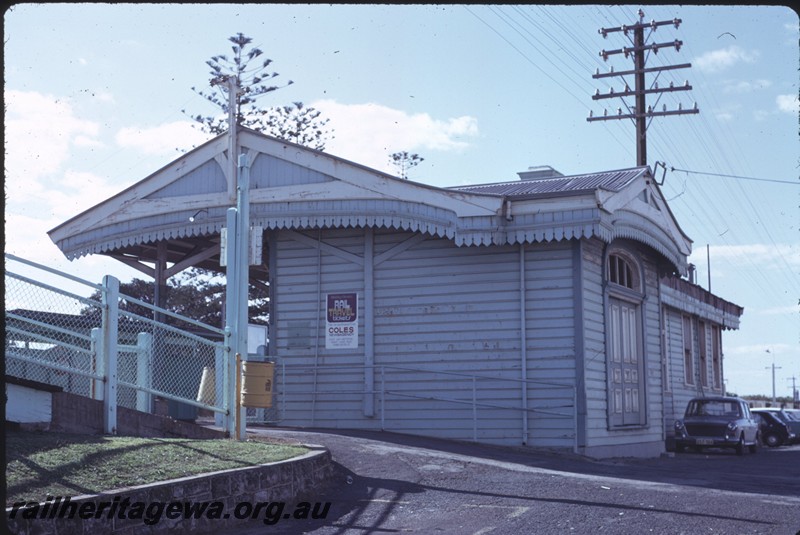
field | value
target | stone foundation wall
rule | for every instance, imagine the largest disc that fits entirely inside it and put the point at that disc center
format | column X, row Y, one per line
column 227, row 494
column 78, row 414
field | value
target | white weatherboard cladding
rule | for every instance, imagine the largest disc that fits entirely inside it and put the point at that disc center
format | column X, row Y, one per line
column 208, row 178
column 695, row 307
column 299, row 303
column 599, row 436
column 550, row 343
column 652, row 337
column 681, row 392
column 439, row 307
column 594, row 338
column 270, row 172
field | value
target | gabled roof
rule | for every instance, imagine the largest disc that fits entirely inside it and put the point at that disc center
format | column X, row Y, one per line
column 294, row 187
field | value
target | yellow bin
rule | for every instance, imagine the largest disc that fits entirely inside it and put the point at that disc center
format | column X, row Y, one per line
column 257, row 380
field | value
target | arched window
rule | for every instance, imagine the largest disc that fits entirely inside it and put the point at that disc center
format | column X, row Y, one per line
column 620, row 271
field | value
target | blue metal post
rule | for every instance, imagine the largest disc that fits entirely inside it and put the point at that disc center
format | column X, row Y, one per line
column 110, row 329
column 243, row 268
column 231, row 313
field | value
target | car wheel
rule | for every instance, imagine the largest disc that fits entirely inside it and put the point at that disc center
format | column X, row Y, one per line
column 772, row 440
column 754, row 446
column 740, row 446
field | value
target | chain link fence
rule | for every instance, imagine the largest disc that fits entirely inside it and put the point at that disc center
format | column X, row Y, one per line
column 58, row 337
column 49, row 333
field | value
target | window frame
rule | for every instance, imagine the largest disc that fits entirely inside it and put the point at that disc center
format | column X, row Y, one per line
column 689, row 378
column 702, row 352
column 716, row 356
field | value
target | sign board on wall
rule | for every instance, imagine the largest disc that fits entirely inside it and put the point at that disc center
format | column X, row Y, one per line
column 341, row 321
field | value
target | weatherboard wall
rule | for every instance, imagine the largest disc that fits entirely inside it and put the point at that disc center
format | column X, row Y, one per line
column 441, row 315
column 601, row 437
column 681, row 391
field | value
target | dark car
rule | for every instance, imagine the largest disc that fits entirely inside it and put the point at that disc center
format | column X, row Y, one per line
column 718, row 422
column 785, row 416
column 774, row 432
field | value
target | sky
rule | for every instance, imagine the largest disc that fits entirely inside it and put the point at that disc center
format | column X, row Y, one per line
column 95, row 93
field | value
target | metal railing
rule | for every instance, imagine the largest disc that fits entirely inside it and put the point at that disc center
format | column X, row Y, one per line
column 97, row 348
column 401, row 391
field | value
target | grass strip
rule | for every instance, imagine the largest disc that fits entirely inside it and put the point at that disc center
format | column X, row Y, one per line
column 41, row 464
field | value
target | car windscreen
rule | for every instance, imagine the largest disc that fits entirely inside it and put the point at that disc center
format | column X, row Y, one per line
column 713, row 407
column 793, row 415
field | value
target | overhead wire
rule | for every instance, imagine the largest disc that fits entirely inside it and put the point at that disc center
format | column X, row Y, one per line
column 711, row 138
column 709, row 133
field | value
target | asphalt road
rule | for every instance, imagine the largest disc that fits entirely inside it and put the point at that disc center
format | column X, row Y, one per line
column 389, row 483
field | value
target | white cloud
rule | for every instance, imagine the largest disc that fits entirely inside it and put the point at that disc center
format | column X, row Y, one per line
column 368, row 133
column 39, row 131
column 27, row 236
column 788, row 103
column 86, row 141
column 759, row 350
column 80, row 191
column 747, row 86
column 779, row 311
column 719, row 60
column 769, row 256
column 163, row 139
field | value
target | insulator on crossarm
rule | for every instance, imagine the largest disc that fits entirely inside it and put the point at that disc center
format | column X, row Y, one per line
column 655, row 85
column 597, row 72
column 676, row 22
column 619, row 111
column 650, row 109
column 597, row 92
column 671, row 85
column 680, row 106
column 686, row 83
column 605, row 112
column 610, row 90
column 591, row 114
column 664, row 107
column 695, row 105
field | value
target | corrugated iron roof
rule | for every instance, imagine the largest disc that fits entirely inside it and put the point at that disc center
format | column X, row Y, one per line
column 544, row 187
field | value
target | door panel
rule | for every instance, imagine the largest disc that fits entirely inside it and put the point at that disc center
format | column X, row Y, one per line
column 625, row 360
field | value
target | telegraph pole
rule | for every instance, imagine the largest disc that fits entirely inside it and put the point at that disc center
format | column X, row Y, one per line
column 774, row 399
column 641, row 112
column 795, row 397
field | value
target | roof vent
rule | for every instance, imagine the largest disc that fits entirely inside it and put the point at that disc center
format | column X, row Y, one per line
column 539, row 172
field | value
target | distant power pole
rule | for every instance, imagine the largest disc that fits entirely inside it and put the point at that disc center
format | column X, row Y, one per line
column 774, row 398
column 641, row 112
column 795, row 397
